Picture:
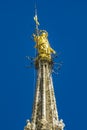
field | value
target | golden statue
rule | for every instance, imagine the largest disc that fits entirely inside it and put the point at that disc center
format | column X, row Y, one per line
column 42, row 45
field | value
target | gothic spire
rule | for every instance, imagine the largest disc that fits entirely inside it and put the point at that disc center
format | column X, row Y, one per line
column 45, row 113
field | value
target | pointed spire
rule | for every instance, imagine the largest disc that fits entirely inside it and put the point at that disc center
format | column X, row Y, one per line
column 45, row 114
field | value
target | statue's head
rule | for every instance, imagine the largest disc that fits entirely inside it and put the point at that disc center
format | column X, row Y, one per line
column 44, row 34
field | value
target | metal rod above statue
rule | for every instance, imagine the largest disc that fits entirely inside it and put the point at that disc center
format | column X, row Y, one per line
column 36, row 20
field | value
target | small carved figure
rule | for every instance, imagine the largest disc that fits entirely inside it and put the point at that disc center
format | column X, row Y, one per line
column 28, row 126
column 61, row 125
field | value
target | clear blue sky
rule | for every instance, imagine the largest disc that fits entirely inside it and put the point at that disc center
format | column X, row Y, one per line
column 66, row 22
